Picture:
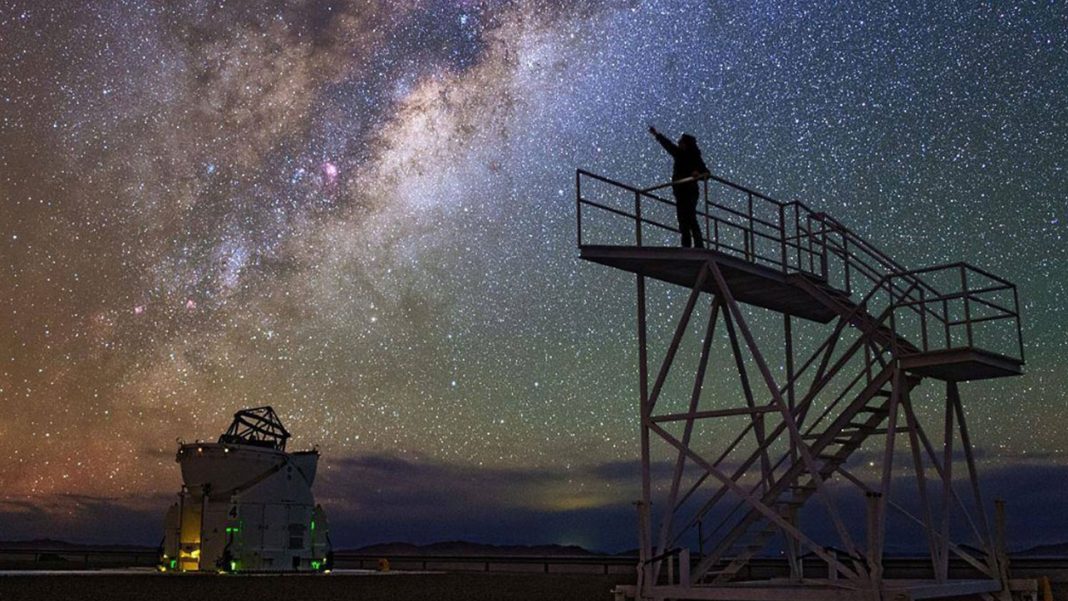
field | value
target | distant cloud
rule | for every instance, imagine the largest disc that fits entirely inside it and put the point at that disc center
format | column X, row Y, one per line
column 383, row 497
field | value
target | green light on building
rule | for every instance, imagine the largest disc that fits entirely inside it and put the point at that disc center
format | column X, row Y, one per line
column 315, row 564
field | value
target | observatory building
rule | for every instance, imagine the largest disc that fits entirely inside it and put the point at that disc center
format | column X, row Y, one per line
column 246, row 504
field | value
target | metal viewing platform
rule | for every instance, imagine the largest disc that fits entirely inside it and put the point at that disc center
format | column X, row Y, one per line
column 881, row 329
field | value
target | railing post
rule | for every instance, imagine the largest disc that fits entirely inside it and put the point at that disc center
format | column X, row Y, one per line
column 578, row 206
column 751, row 241
column 1019, row 331
column 684, row 567
column 823, row 252
column 707, row 231
column 893, row 319
column 945, row 320
column 923, row 318
column 967, row 305
column 845, row 259
column 808, row 240
column 638, row 217
column 782, row 235
column 797, row 233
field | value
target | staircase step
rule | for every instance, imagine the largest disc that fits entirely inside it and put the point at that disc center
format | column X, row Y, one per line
column 873, row 431
column 882, row 431
column 857, row 429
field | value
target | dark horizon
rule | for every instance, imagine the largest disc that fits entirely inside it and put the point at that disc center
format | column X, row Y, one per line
column 391, row 516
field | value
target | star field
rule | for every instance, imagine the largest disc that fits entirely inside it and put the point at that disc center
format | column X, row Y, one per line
column 362, row 213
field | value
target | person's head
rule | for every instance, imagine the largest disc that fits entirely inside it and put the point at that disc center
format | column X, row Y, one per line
column 688, row 142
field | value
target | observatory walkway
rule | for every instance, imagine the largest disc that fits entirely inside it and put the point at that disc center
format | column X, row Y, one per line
column 788, row 258
column 887, row 329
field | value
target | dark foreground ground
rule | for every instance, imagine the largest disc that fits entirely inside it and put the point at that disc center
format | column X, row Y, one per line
column 395, row 586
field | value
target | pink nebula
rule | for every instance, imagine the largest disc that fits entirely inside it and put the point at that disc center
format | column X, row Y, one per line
column 330, row 172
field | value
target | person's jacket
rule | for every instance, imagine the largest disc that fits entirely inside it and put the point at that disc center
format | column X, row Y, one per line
column 686, row 163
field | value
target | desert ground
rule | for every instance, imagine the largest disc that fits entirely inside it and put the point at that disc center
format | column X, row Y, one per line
column 393, row 586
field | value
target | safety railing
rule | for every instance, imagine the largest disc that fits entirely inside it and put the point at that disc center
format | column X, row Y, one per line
column 790, row 237
column 976, row 309
column 786, row 236
column 735, row 220
column 979, row 310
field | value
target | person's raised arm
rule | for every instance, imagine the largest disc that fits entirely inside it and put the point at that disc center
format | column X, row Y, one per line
column 668, row 145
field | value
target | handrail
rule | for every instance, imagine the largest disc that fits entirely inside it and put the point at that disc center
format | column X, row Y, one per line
column 809, row 214
column 606, row 180
column 684, row 180
column 815, row 244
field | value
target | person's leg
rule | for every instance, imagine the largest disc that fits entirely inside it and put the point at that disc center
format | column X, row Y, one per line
column 681, row 215
column 698, row 239
column 688, row 222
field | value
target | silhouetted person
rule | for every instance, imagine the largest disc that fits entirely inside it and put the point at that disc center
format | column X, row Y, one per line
column 688, row 165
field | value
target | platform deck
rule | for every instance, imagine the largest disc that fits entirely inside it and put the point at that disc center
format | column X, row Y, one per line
column 750, row 283
column 962, row 364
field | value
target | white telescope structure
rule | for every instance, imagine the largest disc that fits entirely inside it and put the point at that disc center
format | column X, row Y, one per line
column 246, row 504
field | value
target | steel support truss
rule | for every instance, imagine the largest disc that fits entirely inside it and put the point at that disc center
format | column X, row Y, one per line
column 725, row 505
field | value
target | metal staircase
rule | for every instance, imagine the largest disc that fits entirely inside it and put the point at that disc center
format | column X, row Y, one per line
column 892, row 329
column 830, row 444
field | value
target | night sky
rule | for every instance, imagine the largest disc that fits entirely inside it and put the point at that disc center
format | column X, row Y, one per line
column 362, row 214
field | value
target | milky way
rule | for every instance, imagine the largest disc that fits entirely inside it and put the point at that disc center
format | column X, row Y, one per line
column 362, row 213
